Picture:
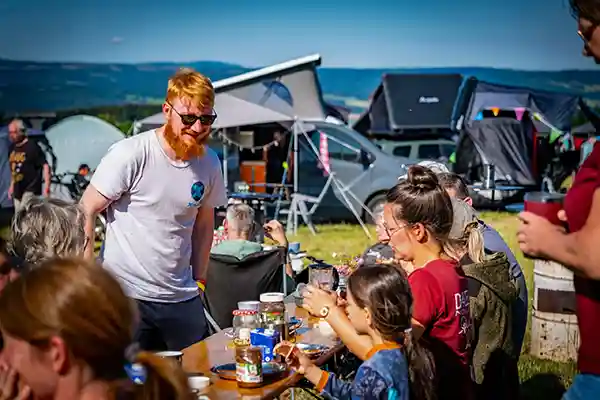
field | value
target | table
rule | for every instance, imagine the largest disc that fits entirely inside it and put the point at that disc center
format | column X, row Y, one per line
column 215, row 350
column 500, row 188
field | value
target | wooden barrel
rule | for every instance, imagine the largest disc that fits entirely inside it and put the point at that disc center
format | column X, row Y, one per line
column 554, row 331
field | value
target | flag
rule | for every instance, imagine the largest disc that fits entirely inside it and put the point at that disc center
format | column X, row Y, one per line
column 324, row 154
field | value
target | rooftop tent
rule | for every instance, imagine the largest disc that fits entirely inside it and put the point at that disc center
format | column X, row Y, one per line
column 557, row 108
column 231, row 112
column 411, row 102
column 295, row 82
column 81, row 139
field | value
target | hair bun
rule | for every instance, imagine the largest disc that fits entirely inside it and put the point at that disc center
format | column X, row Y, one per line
column 422, row 178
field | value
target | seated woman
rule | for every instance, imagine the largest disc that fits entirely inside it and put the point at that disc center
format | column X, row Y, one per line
column 379, row 305
column 492, row 295
column 68, row 327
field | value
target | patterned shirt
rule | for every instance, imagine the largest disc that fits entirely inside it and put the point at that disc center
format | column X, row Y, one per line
column 383, row 376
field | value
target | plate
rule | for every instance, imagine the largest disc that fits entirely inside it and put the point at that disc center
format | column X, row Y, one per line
column 294, row 324
column 227, row 371
column 312, row 350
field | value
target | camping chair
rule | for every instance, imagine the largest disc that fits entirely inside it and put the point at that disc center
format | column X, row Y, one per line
column 299, row 205
column 231, row 280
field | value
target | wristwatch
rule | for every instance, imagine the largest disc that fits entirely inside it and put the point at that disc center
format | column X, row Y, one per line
column 324, row 312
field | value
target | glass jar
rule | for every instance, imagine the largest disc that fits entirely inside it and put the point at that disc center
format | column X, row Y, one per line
column 243, row 323
column 248, row 367
column 272, row 313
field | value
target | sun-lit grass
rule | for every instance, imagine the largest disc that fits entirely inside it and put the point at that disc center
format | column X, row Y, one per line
column 537, row 375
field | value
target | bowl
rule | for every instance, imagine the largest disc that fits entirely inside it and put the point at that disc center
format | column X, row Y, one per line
column 198, row 382
column 174, row 355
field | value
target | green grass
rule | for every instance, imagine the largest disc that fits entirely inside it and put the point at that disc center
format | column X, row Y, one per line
column 540, row 378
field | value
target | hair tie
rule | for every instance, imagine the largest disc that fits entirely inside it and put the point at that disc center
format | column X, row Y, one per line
column 134, row 370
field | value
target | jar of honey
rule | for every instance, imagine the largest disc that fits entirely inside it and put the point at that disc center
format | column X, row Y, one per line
column 248, row 367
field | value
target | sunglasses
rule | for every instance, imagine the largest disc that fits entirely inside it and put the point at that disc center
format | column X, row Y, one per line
column 586, row 34
column 190, row 119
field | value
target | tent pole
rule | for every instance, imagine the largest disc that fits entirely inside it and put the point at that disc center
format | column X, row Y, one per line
column 295, row 133
column 225, row 164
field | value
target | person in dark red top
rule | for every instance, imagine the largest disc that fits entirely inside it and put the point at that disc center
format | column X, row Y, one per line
column 418, row 218
column 579, row 249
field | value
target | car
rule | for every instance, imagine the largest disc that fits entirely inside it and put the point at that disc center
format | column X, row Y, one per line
column 419, row 150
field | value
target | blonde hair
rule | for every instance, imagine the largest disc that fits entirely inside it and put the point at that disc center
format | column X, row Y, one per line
column 188, row 84
column 471, row 243
column 83, row 304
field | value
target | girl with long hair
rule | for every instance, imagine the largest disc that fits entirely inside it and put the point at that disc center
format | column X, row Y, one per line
column 68, row 327
column 379, row 306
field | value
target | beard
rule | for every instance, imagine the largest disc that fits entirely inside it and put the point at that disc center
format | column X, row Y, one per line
column 186, row 145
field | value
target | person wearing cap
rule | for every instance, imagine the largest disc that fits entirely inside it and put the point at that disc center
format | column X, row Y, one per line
column 457, row 188
column 435, row 166
column 492, row 295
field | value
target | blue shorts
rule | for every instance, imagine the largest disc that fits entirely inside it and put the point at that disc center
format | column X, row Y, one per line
column 170, row 326
column 584, row 387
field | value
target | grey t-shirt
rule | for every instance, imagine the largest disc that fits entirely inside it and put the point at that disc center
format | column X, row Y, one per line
column 155, row 201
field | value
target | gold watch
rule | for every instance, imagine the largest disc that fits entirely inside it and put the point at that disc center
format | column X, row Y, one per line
column 324, row 312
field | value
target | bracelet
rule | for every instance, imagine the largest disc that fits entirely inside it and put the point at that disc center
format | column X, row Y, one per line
column 201, row 284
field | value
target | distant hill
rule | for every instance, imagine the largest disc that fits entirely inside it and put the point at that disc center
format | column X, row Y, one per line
column 33, row 86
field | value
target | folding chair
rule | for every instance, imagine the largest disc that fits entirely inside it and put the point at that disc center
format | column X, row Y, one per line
column 299, row 206
column 231, row 280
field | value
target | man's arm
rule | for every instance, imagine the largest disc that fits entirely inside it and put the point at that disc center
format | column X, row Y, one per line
column 202, row 236
column 93, row 203
column 580, row 250
column 46, row 175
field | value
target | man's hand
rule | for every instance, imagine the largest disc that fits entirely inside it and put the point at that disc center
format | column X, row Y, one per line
column 536, row 234
column 274, row 230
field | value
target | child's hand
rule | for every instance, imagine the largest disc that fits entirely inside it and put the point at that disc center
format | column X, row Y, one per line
column 299, row 362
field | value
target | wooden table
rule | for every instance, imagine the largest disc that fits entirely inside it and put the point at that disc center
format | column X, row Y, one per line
column 217, row 350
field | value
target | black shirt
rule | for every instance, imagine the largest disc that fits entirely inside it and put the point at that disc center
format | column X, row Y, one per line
column 26, row 164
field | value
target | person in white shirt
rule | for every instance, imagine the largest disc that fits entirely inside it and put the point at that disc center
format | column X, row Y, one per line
column 160, row 189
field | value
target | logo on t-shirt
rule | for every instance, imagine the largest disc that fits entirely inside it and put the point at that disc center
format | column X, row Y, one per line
column 461, row 306
column 197, row 193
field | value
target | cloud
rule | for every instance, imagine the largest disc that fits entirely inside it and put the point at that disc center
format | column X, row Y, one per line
column 116, row 40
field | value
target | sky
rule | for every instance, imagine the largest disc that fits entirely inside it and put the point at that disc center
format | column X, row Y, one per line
column 519, row 34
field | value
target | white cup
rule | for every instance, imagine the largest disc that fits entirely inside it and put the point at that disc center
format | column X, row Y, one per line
column 175, row 355
column 198, row 382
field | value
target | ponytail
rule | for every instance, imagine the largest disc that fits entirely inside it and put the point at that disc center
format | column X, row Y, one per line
column 421, row 369
column 162, row 379
column 471, row 243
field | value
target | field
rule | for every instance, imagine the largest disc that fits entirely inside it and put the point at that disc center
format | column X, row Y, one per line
column 540, row 379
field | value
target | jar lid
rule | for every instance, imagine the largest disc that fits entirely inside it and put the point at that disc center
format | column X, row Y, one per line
column 244, row 312
column 272, row 297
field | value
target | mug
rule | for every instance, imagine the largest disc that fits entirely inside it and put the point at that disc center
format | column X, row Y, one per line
column 174, row 355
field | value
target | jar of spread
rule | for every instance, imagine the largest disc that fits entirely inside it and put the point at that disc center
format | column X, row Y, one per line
column 248, row 367
column 243, row 323
column 272, row 313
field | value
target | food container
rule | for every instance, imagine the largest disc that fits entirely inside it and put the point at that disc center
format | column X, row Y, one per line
column 265, row 340
column 248, row 367
column 244, row 321
column 249, row 305
column 272, row 313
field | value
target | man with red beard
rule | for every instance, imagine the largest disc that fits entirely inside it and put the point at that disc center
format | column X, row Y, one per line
column 160, row 189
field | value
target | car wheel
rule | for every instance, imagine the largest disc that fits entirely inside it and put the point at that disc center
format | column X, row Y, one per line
column 375, row 205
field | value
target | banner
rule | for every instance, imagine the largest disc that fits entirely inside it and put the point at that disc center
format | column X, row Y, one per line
column 519, row 113
column 324, row 154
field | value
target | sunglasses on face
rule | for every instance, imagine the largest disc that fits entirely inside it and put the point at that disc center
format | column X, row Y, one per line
column 587, row 33
column 190, row 119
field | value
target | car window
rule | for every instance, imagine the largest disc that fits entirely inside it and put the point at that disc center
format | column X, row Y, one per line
column 429, row 151
column 402, row 151
column 447, row 149
column 340, row 145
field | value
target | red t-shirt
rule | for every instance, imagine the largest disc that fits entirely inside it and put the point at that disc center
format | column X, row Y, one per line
column 577, row 206
column 441, row 305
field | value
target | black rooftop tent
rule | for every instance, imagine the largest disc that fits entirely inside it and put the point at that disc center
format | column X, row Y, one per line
column 404, row 102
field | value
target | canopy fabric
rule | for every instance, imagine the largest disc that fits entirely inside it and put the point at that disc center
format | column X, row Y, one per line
column 585, row 128
column 557, row 108
column 231, row 112
column 81, row 139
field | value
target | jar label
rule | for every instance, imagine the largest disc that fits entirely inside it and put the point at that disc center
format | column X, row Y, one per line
column 249, row 373
column 244, row 333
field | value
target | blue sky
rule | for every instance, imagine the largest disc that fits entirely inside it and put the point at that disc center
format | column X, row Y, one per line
column 522, row 34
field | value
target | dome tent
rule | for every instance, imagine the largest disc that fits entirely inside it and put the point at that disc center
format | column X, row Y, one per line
column 81, row 139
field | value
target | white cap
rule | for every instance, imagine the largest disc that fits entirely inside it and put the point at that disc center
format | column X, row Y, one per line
column 272, row 297
column 436, row 167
